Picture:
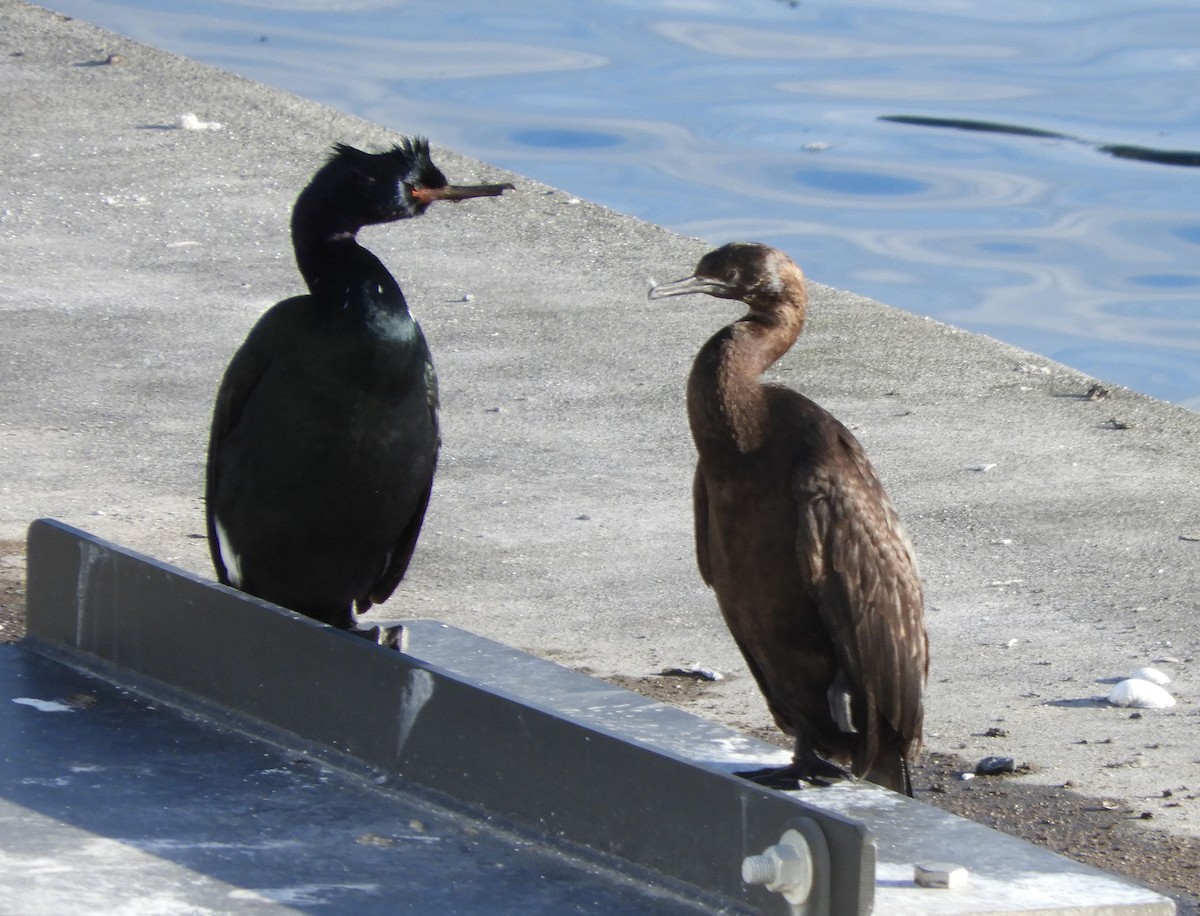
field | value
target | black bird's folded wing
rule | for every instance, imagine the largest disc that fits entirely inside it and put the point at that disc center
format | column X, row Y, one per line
column 245, row 371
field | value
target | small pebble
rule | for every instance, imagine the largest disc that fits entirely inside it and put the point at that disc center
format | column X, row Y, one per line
column 994, row 766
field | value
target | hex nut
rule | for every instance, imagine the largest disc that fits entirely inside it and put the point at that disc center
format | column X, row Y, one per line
column 940, row 875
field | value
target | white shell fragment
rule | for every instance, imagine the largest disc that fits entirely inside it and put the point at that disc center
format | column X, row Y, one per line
column 1153, row 675
column 1140, row 694
column 190, row 122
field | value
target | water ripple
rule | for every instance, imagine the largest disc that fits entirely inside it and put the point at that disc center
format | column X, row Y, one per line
column 907, row 90
column 724, row 40
column 1022, row 169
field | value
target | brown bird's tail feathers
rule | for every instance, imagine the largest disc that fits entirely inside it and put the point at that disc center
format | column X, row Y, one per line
column 891, row 772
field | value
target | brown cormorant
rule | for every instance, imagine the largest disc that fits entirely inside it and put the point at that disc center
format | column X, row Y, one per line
column 795, row 534
column 325, row 432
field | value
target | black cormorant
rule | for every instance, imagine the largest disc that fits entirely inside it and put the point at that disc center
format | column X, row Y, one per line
column 325, row 431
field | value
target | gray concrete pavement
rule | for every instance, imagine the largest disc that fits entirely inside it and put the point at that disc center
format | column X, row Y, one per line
column 135, row 255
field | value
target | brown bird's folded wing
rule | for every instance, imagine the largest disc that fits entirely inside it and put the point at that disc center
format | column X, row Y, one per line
column 700, row 504
column 867, row 588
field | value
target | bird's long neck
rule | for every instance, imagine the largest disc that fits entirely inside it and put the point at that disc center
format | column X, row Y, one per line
column 727, row 404
column 338, row 270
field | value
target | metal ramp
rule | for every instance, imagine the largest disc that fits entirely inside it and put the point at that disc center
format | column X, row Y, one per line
column 176, row 741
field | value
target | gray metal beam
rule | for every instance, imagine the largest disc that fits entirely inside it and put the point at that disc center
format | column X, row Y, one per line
column 517, row 737
column 115, row 803
column 119, row 614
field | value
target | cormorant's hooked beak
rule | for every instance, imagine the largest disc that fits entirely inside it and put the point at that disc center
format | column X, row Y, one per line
column 689, row 285
column 459, row 192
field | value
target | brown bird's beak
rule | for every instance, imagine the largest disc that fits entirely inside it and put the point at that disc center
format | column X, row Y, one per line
column 689, row 285
column 460, row 192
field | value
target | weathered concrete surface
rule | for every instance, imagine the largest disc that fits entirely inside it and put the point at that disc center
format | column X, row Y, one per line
column 134, row 256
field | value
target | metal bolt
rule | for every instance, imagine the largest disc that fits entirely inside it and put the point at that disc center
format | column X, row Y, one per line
column 786, row 868
column 760, row 869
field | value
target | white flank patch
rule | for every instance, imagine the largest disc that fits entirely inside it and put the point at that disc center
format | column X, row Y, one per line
column 233, row 566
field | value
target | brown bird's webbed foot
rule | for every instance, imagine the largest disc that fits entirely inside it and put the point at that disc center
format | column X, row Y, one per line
column 390, row 637
column 811, row 769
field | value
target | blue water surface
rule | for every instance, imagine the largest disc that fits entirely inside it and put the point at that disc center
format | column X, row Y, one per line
column 1027, row 170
